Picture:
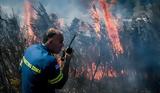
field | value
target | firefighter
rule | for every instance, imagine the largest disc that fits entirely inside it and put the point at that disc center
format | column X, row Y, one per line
column 40, row 70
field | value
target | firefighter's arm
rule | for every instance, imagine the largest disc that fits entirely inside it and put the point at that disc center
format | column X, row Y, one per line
column 61, row 78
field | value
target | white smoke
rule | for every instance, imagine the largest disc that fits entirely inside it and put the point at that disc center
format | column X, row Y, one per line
column 67, row 9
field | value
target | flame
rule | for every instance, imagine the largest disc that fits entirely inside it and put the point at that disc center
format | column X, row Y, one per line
column 96, row 19
column 98, row 73
column 111, row 73
column 29, row 15
column 92, row 71
column 111, row 26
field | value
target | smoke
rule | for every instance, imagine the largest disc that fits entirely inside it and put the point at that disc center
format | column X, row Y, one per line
column 67, row 9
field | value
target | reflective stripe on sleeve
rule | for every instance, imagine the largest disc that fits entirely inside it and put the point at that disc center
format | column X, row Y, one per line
column 57, row 79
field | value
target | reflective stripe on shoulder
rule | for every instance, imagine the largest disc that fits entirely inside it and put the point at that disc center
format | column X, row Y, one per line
column 32, row 67
column 57, row 79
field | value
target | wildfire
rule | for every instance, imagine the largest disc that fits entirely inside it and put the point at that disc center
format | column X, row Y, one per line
column 111, row 26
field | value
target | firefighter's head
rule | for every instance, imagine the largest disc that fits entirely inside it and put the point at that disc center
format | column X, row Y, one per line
column 53, row 39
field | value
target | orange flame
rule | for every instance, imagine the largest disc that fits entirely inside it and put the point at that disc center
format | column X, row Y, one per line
column 96, row 19
column 96, row 72
column 111, row 73
column 29, row 15
column 111, row 26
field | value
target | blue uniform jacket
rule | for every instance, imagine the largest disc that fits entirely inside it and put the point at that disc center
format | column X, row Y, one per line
column 50, row 76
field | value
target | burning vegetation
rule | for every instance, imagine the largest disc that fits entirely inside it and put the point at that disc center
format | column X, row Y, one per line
column 111, row 55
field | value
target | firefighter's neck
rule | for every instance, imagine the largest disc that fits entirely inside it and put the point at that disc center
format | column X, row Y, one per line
column 48, row 45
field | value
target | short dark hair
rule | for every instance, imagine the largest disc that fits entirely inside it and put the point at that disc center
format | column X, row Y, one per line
column 49, row 34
